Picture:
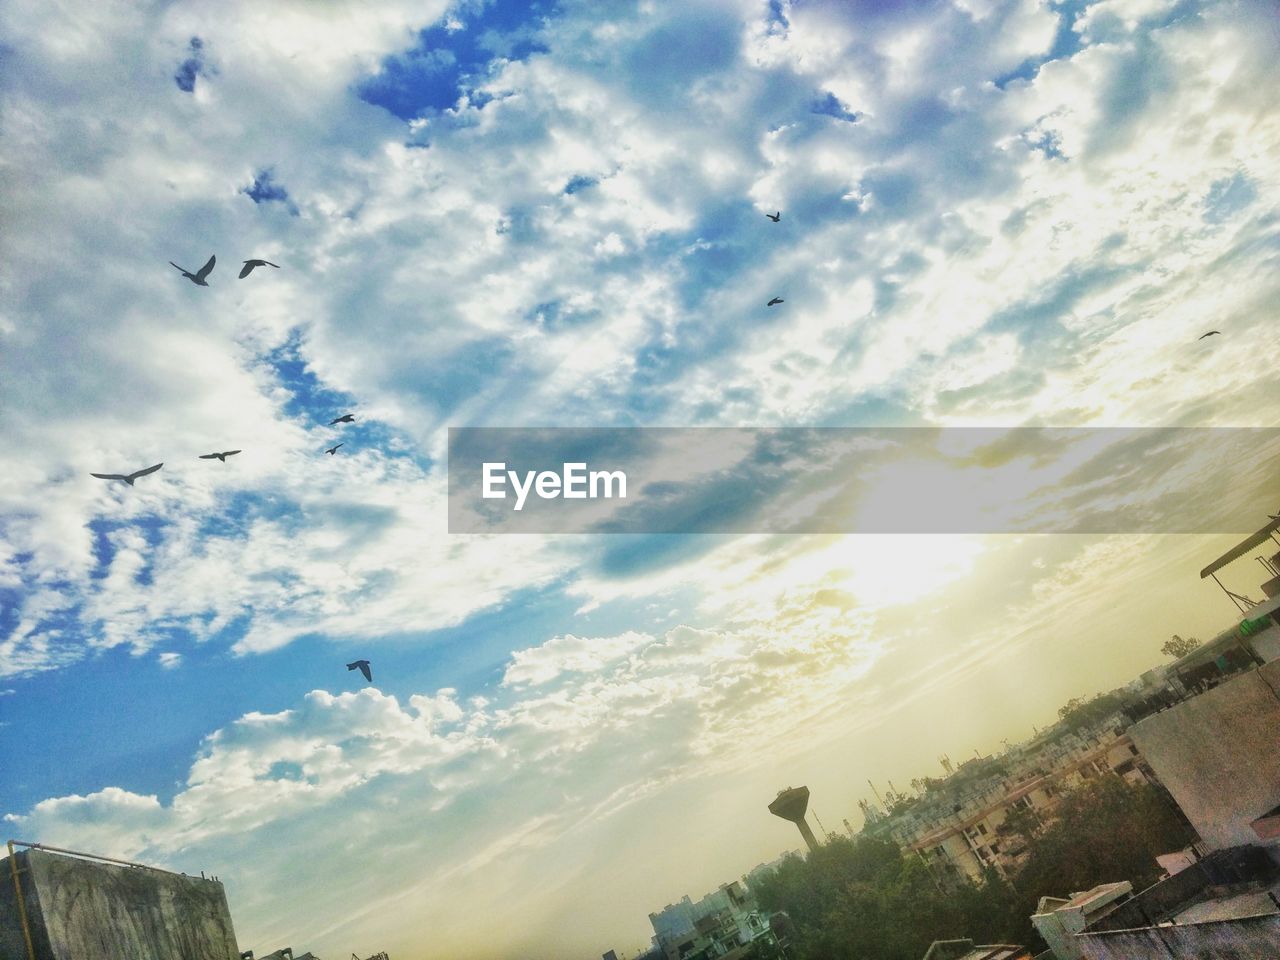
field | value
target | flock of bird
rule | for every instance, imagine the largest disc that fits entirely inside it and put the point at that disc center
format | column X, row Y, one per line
column 201, row 279
column 775, row 217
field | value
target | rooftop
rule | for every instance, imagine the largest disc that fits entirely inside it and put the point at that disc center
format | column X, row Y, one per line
column 1229, row 884
column 966, row 950
column 1103, row 893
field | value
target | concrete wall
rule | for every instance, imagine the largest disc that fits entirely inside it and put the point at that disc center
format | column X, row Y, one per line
column 1267, row 643
column 1252, row 938
column 1053, row 929
column 86, row 910
column 1218, row 755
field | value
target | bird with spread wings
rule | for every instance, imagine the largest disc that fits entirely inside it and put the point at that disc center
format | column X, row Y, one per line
column 363, row 667
column 127, row 477
column 199, row 277
column 250, row 264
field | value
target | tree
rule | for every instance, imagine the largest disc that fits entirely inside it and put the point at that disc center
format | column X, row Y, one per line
column 1023, row 823
column 1078, row 713
column 863, row 899
column 1176, row 648
column 1104, row 831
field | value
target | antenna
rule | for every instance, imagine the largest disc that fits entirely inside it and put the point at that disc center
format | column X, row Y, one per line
column 877, row 793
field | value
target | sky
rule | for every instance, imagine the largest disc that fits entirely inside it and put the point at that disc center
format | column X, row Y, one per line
column 553, row 215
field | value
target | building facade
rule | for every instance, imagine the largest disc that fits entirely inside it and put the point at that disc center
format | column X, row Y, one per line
column 723, row 924
column 978, row 817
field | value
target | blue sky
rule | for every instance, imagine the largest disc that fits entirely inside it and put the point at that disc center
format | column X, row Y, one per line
column 994, row 212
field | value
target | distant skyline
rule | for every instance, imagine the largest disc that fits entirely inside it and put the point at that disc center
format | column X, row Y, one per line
column 993, row 212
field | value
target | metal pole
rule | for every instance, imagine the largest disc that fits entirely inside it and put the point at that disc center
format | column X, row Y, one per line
column 22, row 903
column 1231, row 595
column 92, row 856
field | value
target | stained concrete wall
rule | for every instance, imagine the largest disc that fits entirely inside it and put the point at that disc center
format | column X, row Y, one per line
column 1252, row 938
column 85, row 910
column 1219, row 755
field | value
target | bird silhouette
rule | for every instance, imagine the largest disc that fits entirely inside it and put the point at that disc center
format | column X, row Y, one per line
column 198, row 277
column 345, row 418
column 250, row 264
column 127, row 477
column 776, row 300
column 1209, row 334
column 219, row 456
column 332, row 450
column 363, row 667
column 775, row 217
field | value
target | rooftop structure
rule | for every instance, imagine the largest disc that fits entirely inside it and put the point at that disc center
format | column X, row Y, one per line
column 967, row 950
column 1226, row 905
column 56, row 905
column 1059, row 920
column 1218, row 755
column 1256, row 615
column 60, row 904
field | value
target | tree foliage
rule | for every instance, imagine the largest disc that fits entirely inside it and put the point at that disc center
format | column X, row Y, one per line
column 1079, row 713
column 863, row 899
column 1022, row 824
column 1104, row 831
column 1176, row 648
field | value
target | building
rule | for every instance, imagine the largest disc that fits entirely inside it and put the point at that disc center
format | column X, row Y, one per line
column 723, row 924
column 1212, row 718
column 1218, row 754
column 55, row 905
column 1060, row 920
column 1226, row 905
column 762, row 870
column 957, row 825
column 1216, row 749
column 967, row 950
column 64, row 905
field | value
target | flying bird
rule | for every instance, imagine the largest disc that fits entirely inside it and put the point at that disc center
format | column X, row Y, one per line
column 332, row 450
column 775, row 301
column 250, row 264
column 1209, row 334
column 127, row 477
column 219, row 456
column 775, row 217
column 363, row 667
column 345, row 418
column 197, row 278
